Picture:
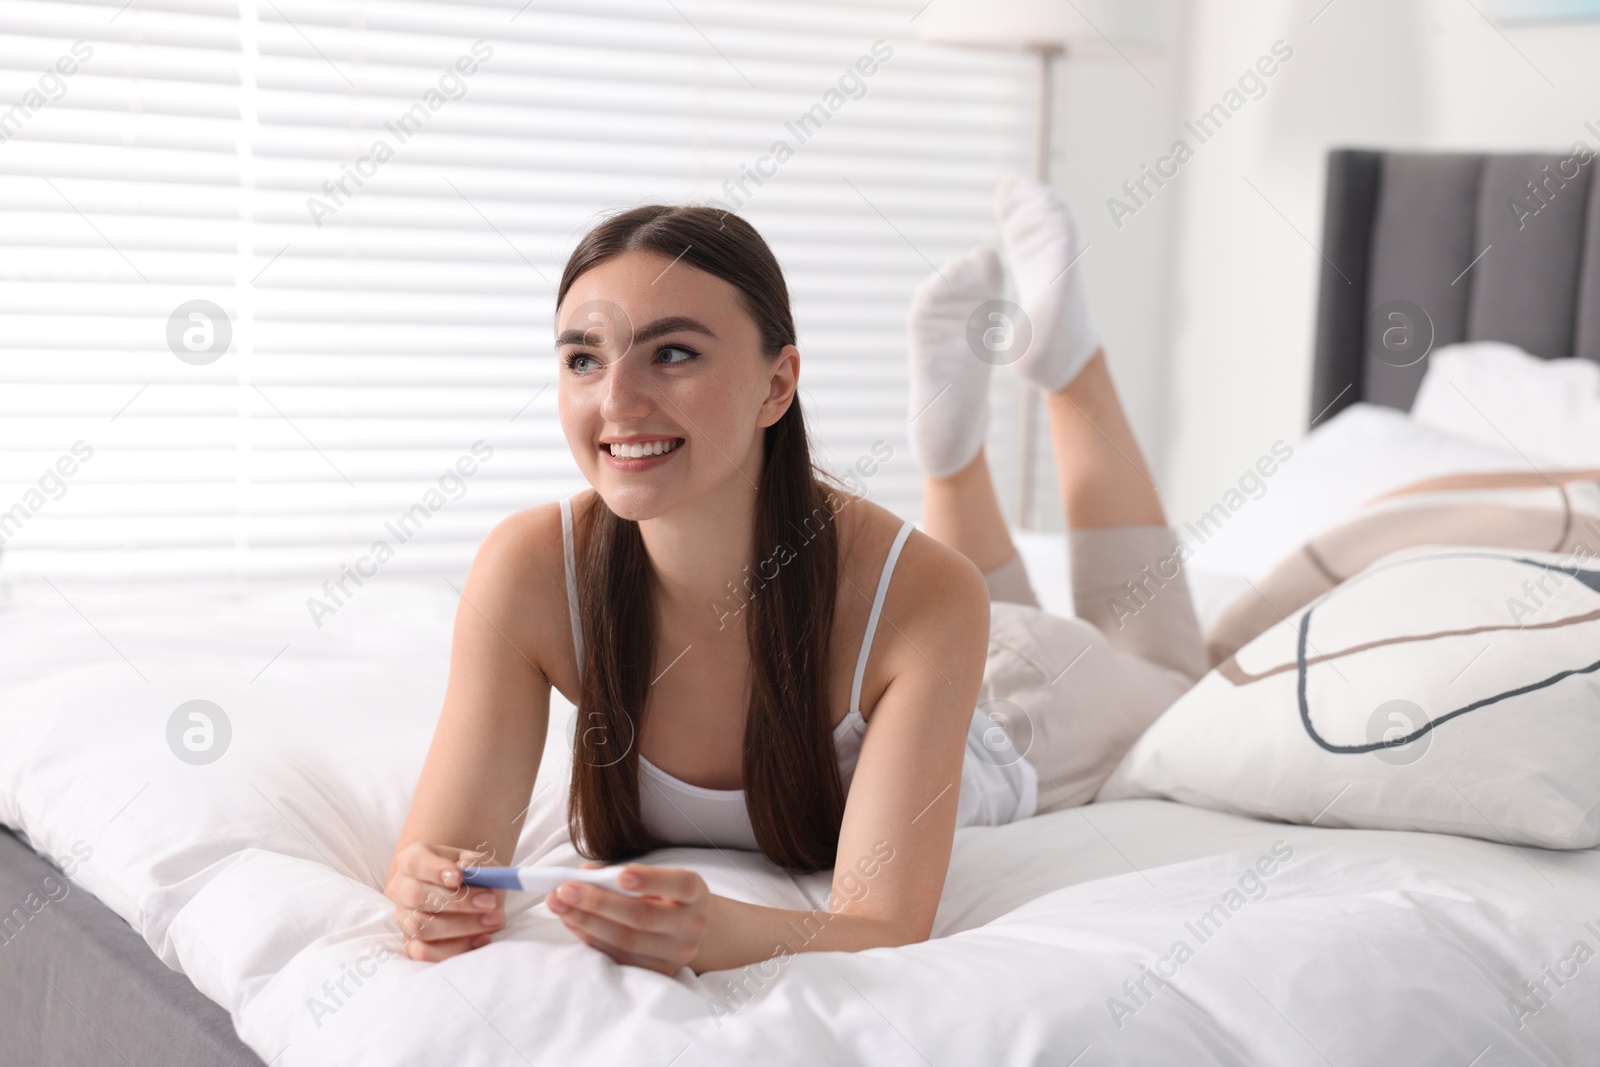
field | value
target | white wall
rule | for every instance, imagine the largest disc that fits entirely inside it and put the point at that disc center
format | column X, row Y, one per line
column 1207, row 297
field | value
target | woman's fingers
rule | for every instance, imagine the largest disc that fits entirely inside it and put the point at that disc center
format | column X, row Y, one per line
column 664, row 889
column 441, row 926
column 639, row 913
column 439, row 916
column 431, row 880
column 670, row 883
column 621, row 936
column 438, row 865
column 624, row 943
column 662, row 930
column 410, row 893
column 431, row 866
column 435, row 951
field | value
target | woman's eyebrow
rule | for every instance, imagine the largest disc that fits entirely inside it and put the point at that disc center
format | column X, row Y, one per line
column 671, row 324
column 646, row 333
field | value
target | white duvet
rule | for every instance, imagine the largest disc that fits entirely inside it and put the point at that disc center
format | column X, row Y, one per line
column 1136, row 932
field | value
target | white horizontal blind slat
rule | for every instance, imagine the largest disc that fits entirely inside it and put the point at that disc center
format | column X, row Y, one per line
column 378, row 340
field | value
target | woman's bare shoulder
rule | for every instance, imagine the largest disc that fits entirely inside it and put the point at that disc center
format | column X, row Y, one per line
column 525, row 546
column 930, row 581
column 528, row 543
column 936, row 609
column 518, row 583
column 867, row 531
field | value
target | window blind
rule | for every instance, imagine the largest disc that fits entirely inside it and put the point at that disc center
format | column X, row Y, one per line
column 278, row 275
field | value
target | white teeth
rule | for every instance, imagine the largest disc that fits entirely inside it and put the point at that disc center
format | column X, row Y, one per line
column 639, row 451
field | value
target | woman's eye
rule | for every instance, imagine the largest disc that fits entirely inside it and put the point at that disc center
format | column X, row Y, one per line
column 666, row 355
column 575, row 360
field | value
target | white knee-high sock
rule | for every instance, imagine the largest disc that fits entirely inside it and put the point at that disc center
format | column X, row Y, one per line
column 1041, row 240
column 949, row 409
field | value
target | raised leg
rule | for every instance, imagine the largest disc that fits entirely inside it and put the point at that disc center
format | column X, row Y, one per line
column 1112, row 509
column 1102, row 474
column 961, row 510
column 1103, row 477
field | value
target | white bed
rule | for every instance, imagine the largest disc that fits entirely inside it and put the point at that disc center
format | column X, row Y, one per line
column 259, row 875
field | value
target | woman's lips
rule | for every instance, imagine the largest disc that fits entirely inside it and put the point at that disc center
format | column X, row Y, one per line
column 631, row 465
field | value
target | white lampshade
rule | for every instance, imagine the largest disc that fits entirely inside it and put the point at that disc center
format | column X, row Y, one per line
column 1011, row 24
column 1018, row 25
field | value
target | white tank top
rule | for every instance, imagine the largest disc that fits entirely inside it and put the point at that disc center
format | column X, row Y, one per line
column 997, row 785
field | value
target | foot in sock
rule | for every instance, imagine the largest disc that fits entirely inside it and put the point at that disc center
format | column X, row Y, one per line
column 949, row 408
column 1041, row 240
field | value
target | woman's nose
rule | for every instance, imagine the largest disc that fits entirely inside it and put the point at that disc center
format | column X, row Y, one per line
column 627, row 390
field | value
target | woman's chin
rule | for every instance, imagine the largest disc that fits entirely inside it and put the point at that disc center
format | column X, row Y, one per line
column 636, row 503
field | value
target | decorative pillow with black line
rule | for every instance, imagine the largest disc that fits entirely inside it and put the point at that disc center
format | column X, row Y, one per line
column 1443, row 688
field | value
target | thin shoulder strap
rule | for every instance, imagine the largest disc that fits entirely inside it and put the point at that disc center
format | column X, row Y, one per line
column 877, row 609
column 571, row 568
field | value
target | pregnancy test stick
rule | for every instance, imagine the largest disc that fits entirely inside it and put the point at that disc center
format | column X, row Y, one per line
column 543, row 879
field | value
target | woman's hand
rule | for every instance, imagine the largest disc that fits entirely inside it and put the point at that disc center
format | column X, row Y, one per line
column 661, row 931
column 439, row 916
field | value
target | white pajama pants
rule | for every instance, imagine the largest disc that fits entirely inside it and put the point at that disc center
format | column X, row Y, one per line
column 1074, row 694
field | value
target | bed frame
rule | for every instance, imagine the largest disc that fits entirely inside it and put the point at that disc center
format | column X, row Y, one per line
column 1487, row 247
column 80, row 986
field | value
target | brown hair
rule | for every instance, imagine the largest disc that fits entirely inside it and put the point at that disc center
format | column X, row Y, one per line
column 791, row 776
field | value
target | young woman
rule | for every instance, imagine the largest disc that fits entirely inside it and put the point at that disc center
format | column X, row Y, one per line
column 762, row 661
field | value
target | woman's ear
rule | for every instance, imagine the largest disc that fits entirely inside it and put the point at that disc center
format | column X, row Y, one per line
column 784, row 379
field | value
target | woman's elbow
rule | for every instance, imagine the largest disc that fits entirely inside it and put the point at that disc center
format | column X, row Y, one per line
column 885, row 931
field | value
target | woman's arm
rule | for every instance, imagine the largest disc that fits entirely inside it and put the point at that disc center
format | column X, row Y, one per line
column 899, row 821
column 473, row 793
column 927, row 662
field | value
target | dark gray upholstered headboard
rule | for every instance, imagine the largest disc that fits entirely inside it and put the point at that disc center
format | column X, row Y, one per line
column 1401, row 230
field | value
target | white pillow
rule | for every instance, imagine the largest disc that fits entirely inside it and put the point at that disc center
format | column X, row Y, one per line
column 1348, row 459
column 1443, row 688
column 1548, row 409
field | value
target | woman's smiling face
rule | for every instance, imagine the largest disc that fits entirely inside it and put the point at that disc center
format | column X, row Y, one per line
column 664, row 389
